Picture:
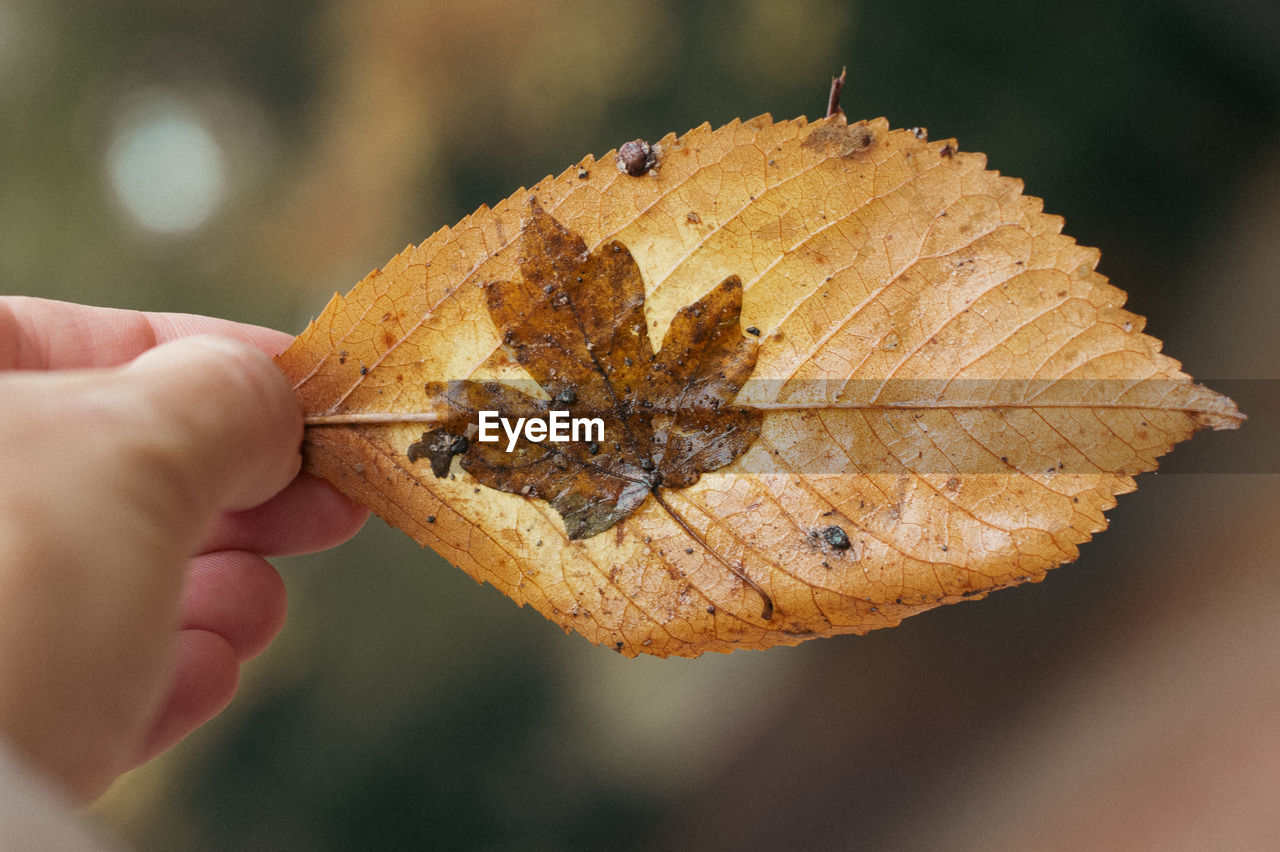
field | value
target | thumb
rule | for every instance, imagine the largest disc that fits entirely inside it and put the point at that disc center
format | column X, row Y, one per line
column 224, row 427
column 109, row 481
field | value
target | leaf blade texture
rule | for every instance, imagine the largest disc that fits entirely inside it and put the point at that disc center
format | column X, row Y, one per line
column 946, row 395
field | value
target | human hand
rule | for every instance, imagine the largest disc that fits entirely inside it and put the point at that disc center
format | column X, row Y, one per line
column 128, row 450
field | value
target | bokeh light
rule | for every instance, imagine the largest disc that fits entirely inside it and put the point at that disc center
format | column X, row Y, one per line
column 165, row 167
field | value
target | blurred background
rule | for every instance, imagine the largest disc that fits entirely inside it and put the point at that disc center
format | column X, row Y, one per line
column 247, row 159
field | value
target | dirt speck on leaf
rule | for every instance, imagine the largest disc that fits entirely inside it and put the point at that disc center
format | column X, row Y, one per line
column 835, row 139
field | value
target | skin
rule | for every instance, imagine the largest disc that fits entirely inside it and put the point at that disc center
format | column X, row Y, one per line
column 148, row 464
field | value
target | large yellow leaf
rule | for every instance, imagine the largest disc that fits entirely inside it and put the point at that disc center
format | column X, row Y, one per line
column 944, row 399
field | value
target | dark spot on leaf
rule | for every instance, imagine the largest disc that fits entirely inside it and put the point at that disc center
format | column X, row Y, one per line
column 636, row 157
column 431, row 519
column 438, row 446
column 836, row 537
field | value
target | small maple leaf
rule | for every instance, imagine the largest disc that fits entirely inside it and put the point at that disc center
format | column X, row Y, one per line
column 575, row 321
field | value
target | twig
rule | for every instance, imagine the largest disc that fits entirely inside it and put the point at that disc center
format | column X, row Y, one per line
column 833, row 99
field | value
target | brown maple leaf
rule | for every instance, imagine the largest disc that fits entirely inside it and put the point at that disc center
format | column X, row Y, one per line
column 575, row 321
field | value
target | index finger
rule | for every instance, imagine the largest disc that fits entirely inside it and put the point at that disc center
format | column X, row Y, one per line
column 40, row 334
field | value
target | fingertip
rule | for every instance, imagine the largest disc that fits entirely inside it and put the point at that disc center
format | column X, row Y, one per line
column 236, row 595
column 307, row 516
column 206, row 675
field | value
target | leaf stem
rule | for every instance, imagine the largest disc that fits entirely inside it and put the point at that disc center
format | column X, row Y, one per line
column 373, row 418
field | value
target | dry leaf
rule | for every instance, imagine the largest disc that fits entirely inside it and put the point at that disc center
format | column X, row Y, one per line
column 575, row 321
column 886, row 382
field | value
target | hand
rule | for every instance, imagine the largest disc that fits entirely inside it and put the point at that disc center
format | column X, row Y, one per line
column 144, row 474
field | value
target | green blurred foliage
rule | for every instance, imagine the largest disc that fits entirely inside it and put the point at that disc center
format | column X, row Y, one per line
column 404, row 705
